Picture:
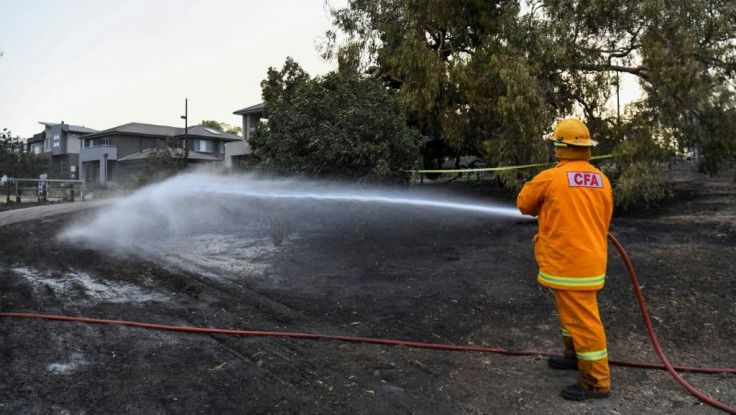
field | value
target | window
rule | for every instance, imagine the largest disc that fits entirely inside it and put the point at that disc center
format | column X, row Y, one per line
column 203, row 146
column 100, row 142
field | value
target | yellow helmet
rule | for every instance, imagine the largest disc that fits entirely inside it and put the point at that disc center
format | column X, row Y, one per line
column 572, row 132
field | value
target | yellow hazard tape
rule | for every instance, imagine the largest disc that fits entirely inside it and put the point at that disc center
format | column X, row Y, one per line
column 526, row 166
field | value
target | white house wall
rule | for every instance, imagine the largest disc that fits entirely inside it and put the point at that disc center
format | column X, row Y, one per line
column 235, row 148
column 73, row 143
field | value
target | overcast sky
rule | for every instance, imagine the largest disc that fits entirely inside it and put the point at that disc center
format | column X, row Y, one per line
column 104, row 63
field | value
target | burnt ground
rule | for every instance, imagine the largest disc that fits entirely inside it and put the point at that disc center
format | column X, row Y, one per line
column 448, row 277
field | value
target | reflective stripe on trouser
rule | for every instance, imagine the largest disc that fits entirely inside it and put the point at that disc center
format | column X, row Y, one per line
column 572, row 283
column 579, row 316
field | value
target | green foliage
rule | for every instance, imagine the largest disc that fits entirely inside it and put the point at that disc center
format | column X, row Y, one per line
column 690, row 55
column 339, row 125
column 641, row 184
column 280, row 86
column 490, row 77
column 640, row 159
column 221, row 126
column 454, row 74
column 15, row 161
column 719, row 144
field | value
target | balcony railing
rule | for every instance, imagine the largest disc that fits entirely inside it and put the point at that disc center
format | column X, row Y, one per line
column 99, row 145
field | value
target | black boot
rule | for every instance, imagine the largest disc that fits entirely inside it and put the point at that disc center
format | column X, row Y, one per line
column 563, row 362
column 577, row 393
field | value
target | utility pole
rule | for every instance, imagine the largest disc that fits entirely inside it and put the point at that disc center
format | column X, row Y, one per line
column 186, row 131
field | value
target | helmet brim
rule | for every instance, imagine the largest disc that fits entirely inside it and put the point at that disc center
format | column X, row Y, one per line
column 579, row 143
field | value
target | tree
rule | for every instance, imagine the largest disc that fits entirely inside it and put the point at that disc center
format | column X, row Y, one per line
column 683, row 53
column 221, row 126
column 15, row 161
column 341, row 125
column 490, row 77
column 456, row 79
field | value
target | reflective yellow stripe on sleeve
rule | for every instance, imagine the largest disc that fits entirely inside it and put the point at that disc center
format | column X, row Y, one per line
column 573, row 282
column 596, row 355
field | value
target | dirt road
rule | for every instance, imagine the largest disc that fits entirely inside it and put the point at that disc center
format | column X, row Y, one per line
column 10, row 216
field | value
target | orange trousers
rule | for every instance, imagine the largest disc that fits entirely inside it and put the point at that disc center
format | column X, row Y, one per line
column 581, row 323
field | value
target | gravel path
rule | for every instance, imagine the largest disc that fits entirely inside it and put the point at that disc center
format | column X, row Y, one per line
column 21, row 215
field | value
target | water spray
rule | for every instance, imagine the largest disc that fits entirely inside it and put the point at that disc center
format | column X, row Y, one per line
column 366, row 197
column 195, row 201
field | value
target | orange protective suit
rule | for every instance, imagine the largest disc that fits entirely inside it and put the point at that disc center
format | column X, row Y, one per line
column 574, row 203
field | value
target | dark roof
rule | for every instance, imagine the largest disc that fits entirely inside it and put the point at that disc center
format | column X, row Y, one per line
column 253, row 109
column 193, row 155
column 70, row 127
column 135, row 128
column 202, row 131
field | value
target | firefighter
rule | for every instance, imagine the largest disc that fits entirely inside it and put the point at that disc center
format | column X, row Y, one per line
column 574, row 203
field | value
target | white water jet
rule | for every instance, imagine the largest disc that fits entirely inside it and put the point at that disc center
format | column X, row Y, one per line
column 197, row 203
column 367, row 196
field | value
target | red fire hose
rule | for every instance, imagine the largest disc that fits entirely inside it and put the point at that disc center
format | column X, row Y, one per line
column 666, row 364
column 653, row 337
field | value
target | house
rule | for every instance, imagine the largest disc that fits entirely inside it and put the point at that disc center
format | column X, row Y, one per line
column 237, row 153
column 35, row 144
column 61, row 144
column 112, row 156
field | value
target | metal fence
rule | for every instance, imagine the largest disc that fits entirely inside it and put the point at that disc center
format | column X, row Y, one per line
column 43, row 190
